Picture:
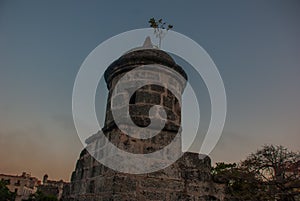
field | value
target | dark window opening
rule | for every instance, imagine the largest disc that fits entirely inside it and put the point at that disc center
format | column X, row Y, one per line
column 132, row 99
column 17, row 183
column 92, row 187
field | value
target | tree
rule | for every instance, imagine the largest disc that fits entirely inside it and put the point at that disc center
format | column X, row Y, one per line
column 160, row 28
column 40, row 196
column 271, row 174
column 5, row 194
column 240, row 184
column 278, row 170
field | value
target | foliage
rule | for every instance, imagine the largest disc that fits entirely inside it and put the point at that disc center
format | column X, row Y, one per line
column 5, row 194
column 159, row 24
column 222, row 167
column 160, row 28
column 239, row 183
column 278, row 169
column 39, row 196
column 272, row 173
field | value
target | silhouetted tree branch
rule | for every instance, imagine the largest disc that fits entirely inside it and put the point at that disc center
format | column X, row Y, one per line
column 160, row 28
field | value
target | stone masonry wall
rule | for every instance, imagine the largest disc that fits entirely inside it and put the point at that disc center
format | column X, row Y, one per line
column 188, row 179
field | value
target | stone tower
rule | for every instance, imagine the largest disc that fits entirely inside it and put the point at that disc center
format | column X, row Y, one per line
column 154, row 103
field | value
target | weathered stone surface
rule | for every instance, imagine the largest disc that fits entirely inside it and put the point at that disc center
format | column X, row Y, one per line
column 148, row 98
column 157, row 88
column 153, row 195
column 187, row 179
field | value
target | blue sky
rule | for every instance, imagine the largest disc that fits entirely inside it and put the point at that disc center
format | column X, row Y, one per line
column 255, row 45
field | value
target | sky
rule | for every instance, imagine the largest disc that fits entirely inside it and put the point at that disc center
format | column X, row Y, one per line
column 254, row 44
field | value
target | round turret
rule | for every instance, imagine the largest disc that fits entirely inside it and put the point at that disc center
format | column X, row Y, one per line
column 147, row 96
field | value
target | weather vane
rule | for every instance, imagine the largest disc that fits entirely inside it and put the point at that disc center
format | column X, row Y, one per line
column 160, row 28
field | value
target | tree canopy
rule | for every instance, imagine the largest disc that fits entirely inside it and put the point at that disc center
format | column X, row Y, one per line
column 5, row 194
column 39, row 196
column 271, row 173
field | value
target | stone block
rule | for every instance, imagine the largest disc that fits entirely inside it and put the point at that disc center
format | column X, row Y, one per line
column 154, row 195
